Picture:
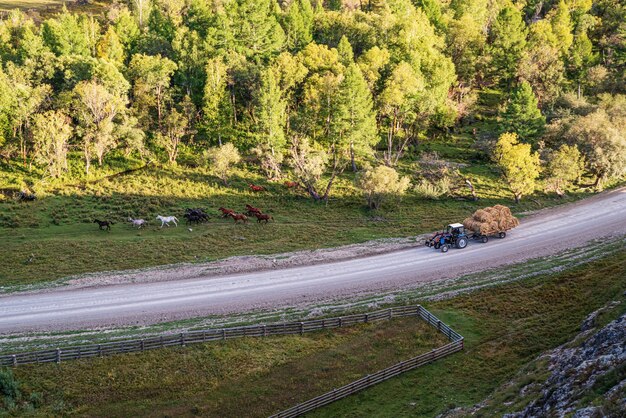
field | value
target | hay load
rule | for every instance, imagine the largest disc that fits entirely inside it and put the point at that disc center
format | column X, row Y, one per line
column 491, row 220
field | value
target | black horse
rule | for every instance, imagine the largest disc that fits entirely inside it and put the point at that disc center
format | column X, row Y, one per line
column 103, row 224
column 196, row 215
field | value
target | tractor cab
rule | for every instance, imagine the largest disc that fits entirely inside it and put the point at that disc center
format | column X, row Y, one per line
column 455, row 230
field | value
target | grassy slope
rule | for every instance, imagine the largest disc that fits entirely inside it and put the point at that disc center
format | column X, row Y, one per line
column 226, row 378
column 53, row 237
column 505, row 327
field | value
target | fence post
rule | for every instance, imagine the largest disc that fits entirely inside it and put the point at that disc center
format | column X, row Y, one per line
column 203, row 336
column 367, row 317
column 99, row 350
column 14, row 360
column 223, row 334
column 340, row 321
column 439, row 325
column 182, row 339
column 390, row 313
column 301, row 328
column 142, row 345
column 58, row 355
column 161, row 340
column 264, row 330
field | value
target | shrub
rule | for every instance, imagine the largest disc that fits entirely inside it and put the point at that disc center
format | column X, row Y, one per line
column 381, row 183
column 223, row 158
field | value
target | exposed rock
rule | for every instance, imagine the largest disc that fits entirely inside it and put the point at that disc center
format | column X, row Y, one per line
column 575, row 371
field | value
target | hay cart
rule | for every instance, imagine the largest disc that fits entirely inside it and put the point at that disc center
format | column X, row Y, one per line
column 490, row 222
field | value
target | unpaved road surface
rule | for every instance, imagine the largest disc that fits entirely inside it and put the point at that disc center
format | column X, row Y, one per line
column 542, row 234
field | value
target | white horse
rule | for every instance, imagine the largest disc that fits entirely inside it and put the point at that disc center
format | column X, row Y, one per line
column 137, row 222
column 165, row 220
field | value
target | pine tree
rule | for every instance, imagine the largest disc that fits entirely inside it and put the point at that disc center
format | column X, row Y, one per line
column 508, row 40
column 522, row 114
column 354, row 121
column 298, row 24
column 346, row 54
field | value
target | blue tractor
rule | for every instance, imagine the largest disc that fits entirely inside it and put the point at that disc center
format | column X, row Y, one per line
column 452, row 236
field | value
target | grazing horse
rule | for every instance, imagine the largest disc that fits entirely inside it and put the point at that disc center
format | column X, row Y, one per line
column 102, row 225
column 263, row 217
column 256, row 188
column 226, row 212
column 251, row 210
column 165, row 220
column 291, row 184
column 137, row 222
column 239, row 217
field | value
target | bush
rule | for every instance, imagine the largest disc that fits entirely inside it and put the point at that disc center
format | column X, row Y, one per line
column 433, row 190
column 223, row 158
column 381, row 183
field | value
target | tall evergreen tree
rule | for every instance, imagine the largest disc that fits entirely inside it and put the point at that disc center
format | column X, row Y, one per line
column 346, row 54
column 522, row 114
column 507, row 42
column 354, row 120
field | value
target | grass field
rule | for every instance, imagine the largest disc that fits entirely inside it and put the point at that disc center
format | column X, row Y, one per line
column 505, row 328
column 54, row 236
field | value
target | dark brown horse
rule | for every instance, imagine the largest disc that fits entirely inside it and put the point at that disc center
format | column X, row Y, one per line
column 251, row 210
column 103, row 224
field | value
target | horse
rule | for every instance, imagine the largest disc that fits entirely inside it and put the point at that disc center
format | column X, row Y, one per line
column 226, row 212
column 196, row 215
column 251, row 210
column 239, row 217
column 256, row 188
column 137, row 222
column 263, row 217
column 291, row 184
column 165, row 220
column 103, row 224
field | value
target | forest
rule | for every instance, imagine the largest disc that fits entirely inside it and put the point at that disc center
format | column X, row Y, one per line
column 309, row 90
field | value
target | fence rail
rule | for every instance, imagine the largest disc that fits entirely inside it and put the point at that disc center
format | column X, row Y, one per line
column 454, row 346
column 201, row 336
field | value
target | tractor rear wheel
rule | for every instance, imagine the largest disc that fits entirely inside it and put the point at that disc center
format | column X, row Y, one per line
column 461, row 243
column 484, row 239
column 444, row 248
column 502, row 234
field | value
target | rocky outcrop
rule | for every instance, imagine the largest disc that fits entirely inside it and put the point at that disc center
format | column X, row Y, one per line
column 578, row 372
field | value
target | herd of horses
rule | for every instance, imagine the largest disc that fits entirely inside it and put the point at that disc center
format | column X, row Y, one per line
column 195, row 215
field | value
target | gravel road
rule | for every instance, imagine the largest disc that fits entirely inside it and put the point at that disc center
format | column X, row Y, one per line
column 545, row 233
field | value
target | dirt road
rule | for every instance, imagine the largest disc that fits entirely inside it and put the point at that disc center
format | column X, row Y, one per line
column 542, row 234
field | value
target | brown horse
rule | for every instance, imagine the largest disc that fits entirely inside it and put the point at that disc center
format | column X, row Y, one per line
column 263, row 217
column 226, row 212
column 239, row 217
column 291, row 184
column 251, row 210
column 256, row 188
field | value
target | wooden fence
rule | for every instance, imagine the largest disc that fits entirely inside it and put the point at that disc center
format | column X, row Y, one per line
column 455, row 345
column 192, row 337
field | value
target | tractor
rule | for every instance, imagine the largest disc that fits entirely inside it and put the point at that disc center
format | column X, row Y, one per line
column 452, row 236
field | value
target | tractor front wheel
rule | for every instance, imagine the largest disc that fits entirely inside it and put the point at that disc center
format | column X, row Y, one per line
column 444, row 248
column 461, row 243
column 484, row 239
column 502, row 234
